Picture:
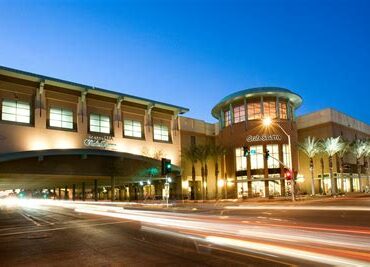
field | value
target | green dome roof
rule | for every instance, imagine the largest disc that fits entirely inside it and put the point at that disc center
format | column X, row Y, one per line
column 256, row 92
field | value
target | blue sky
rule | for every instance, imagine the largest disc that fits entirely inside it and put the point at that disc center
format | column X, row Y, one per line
column 193, row 53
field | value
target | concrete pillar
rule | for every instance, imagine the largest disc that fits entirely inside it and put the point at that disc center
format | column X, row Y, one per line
column 82, row 116
column 120, row 193
column 73, row 192
column 55, row 193
column 96, row 189
column 112, row 188
column 40, row 111
column 66, row 192
column 83, row 191
column 59, row 193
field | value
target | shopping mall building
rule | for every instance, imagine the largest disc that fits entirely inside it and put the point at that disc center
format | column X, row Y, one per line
column 79, row 142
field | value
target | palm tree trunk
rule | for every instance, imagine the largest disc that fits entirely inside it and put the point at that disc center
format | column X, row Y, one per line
column 206, row 179
column 333, row 185
column 312, row 178
column 322, row 176
column 216, row 178
column 359, row 173
column 341, row 175
column 194, row 189
column 202, row 174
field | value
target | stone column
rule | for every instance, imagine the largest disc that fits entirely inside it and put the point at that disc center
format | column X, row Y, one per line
column 96, row 189
column 40, row 107
column 65, row 192
column 74, row 192
column 112, row 183
column 83, row 191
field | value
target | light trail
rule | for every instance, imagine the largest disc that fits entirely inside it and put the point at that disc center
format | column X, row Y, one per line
column 319, row 244
column 280, row 207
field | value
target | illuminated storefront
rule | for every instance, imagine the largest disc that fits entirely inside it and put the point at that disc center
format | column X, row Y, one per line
column 241, row 127
column 70, row 137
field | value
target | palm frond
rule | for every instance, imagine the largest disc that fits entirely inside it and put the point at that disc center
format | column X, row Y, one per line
column 332, row 145
column 359, row 148
column 310, row 146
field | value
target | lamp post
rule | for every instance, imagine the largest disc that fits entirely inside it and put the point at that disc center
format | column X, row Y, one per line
column 267, row 121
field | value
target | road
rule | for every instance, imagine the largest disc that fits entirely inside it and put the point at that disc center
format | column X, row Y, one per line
column 59, row 233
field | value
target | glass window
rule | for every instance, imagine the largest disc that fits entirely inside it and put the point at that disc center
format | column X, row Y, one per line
column 256, row 157
column 283, row 111
column 241, row 161
column 17, row 111
column 61, row 118
column 286, row 156
column 242, row 186
column 193, row 140
column 254, row 111
column 227, row 118
column 161, row 133
column 132, row 128
column 239, row 114
column 273, row 160
column 269, row 109
column 99, row 123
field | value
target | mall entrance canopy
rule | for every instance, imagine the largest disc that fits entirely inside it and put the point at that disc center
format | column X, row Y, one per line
column 60, row 167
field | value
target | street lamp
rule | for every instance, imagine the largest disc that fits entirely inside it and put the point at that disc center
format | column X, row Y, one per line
column 267, row 122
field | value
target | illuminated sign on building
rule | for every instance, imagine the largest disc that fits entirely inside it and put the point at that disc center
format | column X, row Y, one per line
column 263, row 138
column 99, row 141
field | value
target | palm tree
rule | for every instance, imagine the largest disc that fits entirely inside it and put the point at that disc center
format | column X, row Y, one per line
column 332, row 146
column 216, row 152
column 358, row 148
column 367, row 155
column 191, row 154
column 341, row 153
column 311, row 147
column 203, row 155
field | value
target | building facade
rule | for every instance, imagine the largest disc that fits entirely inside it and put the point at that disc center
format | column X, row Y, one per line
column 75, row 137
column 79, row 141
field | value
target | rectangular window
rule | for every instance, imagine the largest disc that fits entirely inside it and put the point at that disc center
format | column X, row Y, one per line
column 254, row 111
column 273, row 160
column 241, row 161
column 132, row 128
column 99, row 123
column 17, row 111
column 256, row 157
column 239, row 114
column 193, row 141
column 269, row 109
column 161, row 133
column 282, row 111
column 287, row 159
column 227, row 118
column 61, row 118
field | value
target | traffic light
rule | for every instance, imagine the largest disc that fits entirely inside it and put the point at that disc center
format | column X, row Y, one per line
column 267, row 154
column 288, row 174
column 246, row 151
column 166, row 166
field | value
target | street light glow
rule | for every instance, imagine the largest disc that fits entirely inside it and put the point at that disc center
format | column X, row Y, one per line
column 267, row 121
column 221, row 182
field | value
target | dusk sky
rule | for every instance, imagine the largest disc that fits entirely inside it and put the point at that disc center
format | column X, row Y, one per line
column 194, row 53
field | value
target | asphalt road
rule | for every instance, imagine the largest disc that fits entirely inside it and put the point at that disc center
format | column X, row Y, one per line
column 65, row 234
